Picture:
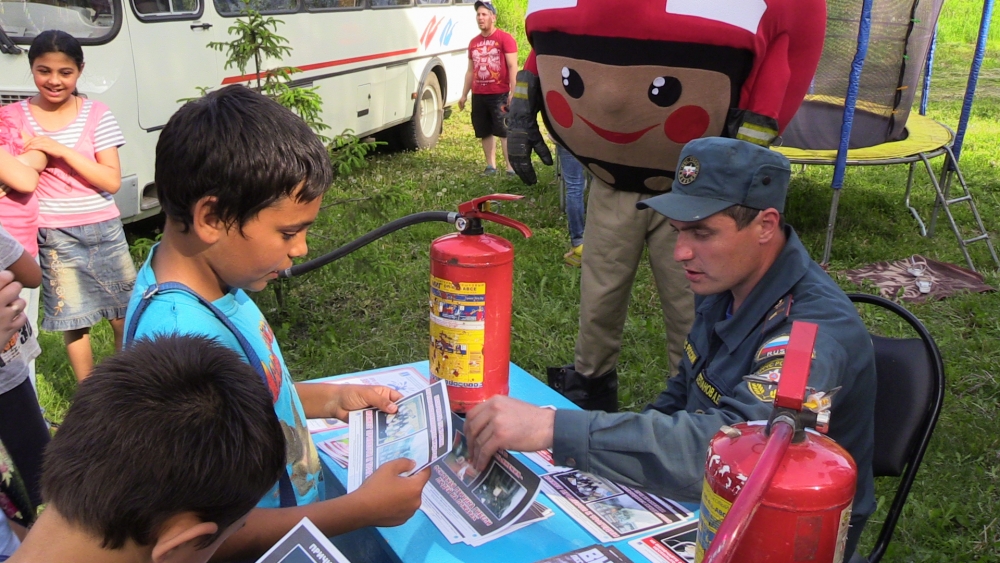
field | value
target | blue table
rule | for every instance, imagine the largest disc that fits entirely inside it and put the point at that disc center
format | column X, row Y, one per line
column 418, row 540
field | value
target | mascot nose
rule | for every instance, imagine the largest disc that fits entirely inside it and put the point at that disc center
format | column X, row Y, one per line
column 609, row 97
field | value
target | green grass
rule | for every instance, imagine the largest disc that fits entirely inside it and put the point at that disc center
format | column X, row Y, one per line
column 370, row 308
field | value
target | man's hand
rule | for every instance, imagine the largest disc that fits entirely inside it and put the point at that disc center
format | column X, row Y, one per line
column 523, row 135
column 508, row 424
column 325, row 400
column 461, row 103
column 390, row 499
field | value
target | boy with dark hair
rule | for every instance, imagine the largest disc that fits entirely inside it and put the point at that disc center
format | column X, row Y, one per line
column 241, row 179
column 166, row 448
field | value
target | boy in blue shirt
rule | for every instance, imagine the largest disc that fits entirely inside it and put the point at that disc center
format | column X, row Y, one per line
column 241, row 179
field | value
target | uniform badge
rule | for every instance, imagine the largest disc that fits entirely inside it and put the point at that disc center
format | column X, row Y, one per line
column 692, row 356
column 763, row 383
column 688, row 170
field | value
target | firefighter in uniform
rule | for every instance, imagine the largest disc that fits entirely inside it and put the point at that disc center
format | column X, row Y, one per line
column 623, row 86
column 752, row 278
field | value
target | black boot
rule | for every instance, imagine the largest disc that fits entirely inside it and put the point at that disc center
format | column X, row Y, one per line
column 589, row 393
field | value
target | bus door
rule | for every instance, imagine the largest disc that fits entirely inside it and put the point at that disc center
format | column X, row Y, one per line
column 172, row 59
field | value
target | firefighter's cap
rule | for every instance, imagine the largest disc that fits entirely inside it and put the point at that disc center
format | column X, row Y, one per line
column 715, row 173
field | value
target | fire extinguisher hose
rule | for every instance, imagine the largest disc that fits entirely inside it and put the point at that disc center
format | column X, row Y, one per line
column 373, row 235
column 738, row 518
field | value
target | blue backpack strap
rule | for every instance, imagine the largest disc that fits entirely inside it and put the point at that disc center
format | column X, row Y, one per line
column 285, row 490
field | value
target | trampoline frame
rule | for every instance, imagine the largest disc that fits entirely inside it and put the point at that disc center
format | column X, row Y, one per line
column 950, row 169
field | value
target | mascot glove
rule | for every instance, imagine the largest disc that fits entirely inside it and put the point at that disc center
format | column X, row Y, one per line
column 523, row 135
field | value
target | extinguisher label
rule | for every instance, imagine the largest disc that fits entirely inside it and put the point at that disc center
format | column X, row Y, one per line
column 458, row 328
column 713, row 510
column 845, row 525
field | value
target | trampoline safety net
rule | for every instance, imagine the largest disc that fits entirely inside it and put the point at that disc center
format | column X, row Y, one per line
column 901, row 32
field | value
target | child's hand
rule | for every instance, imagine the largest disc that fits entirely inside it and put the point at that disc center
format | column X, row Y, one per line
column 12, row 316
column 390, row 499
column 47, row 145
column 347, row 398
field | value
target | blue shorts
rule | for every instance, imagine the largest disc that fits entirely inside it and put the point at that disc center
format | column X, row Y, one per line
column 87, row 274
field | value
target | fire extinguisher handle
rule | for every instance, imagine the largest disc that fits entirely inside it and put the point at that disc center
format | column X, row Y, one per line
column 474, row 209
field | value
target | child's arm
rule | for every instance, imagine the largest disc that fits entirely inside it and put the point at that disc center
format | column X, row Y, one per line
column 26, row 271
column 16, row 174
column 384, row 499
column 105, row 174
column 10, row 324
column 321, row 400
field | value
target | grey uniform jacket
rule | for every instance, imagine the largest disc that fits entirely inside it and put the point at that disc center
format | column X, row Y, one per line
column 663, row 449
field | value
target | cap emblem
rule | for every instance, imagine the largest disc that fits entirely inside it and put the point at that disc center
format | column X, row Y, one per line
column 688, row 170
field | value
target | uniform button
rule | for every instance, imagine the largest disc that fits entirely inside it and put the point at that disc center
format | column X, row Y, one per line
column 570, row 462
column 699, row 411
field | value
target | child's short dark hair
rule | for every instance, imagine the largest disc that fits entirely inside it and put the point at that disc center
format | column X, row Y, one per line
column 244, row 149
column 171, row 425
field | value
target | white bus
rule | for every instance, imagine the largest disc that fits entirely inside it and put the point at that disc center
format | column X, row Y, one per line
column 378, row 64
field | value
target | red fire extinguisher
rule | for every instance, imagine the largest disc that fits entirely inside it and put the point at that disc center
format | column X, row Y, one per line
column 777, row 492
column 472, row 277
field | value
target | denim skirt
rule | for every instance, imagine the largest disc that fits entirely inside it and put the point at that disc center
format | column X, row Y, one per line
column 87, row 274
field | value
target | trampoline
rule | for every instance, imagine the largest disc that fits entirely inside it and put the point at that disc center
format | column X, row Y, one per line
column 873, row 124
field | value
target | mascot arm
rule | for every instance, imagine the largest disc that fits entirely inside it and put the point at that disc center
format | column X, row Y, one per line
column 523, row 135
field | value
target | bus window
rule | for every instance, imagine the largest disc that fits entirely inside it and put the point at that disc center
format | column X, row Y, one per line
column 91, row 21
column 235, row 7
column 429, row 2
column 317, row 5
column 391, row 3
column 172, row 9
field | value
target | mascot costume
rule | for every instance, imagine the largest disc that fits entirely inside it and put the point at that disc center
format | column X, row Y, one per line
column 623, row 85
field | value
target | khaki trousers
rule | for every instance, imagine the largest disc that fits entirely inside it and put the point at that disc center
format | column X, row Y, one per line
column 612, row 246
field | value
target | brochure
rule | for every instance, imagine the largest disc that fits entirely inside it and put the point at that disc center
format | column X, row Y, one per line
column 676, row 545
column 591, row 554
column 303, row 544
column 405, row 379
column 337, row 449
column 475, row 507
column 610, row 511
column 418, row 430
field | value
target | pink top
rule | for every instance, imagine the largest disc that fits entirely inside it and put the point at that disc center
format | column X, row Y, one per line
column 18, row 211
column 65, row 199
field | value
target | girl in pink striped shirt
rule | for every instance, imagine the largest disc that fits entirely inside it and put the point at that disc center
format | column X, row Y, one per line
column 87, row 270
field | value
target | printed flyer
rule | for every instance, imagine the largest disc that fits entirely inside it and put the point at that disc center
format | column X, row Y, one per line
column 610, row 511
column 676, row 545
column 590, row 554
column 475, row 507
column 303, row 544
column 419, row 430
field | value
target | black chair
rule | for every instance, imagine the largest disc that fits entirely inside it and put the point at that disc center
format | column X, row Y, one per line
column 910, row 394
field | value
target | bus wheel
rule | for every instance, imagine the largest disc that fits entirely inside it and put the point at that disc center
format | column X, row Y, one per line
column 422, row 131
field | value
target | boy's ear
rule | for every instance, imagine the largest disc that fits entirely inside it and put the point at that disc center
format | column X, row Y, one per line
column 180, row 537
column 206, row 224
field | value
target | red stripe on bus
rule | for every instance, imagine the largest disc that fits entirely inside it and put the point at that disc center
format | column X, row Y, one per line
column 327, row 64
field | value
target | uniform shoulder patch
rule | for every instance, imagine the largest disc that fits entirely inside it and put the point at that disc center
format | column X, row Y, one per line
column 774, row 346
column 763, row 383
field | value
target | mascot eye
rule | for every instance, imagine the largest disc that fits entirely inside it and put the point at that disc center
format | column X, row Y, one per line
column 665, row 91
column 572, row 82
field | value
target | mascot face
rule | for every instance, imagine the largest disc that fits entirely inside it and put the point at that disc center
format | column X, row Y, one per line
column 625, row 107
column 631, row 116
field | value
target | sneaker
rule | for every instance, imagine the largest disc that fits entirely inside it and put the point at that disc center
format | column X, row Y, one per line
column 490, row 171
column 574, row 257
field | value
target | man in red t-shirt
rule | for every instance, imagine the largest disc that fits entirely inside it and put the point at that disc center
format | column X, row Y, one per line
column 491, row 76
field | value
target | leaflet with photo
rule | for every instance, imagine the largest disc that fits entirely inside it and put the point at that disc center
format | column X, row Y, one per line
column 303, row 544
column 544, row 460
column 337, row 448
column 610, row 511
column 475, row 507
column 676, row 545
column 590, row 554
column 404, row 379
column 420, row 430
